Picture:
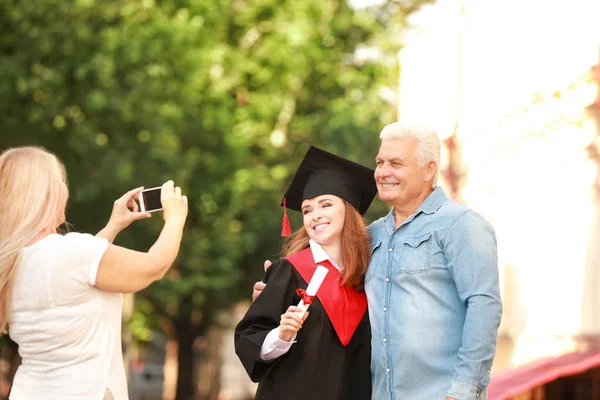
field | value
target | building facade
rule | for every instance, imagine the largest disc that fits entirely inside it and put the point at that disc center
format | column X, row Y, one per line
column 512, row 88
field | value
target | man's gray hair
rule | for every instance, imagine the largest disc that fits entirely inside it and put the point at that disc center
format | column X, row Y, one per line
column 429, row 142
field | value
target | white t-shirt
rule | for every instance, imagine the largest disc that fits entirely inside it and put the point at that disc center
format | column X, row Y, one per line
column 68, row 331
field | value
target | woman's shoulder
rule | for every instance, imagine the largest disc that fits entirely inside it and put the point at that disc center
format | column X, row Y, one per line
column 85, row 242
column 83, row 238
column 74, row 247
column 76, row 239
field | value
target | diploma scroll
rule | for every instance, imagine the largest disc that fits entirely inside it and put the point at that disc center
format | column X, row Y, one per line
column 313, row 287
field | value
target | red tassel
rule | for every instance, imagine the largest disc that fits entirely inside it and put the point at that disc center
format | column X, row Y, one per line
column 285, row 225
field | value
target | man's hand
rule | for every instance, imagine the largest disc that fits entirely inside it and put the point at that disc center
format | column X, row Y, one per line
column 260, row 286
column 450, row 398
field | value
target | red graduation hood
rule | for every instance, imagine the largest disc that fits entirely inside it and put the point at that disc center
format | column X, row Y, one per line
column 344, row 306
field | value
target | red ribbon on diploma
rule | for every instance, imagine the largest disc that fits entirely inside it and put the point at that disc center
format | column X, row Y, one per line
column 306, row 298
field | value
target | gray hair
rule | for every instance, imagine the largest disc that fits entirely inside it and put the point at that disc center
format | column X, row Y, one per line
column 429, row 142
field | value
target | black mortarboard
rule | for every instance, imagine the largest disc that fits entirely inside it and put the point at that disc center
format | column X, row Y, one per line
column 321, row 172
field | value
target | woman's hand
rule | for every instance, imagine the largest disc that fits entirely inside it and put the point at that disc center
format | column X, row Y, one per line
column 174, row 204
column 125, row 211
column 291, row 323
column 127, row 271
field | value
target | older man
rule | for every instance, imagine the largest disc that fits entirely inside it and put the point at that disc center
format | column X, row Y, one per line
column 432, row 283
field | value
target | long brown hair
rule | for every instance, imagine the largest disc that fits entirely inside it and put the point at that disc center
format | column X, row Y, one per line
column 33, row 197
column 356, row 247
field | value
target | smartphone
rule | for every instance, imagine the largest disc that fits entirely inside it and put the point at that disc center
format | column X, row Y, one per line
column 150, row 200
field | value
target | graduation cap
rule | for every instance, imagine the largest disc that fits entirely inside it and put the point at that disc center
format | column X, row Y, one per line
column 321, row 172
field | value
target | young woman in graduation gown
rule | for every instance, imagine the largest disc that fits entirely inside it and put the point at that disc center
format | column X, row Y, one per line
column 326, row 354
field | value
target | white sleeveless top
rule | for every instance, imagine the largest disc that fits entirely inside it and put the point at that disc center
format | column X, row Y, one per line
column 68, row 331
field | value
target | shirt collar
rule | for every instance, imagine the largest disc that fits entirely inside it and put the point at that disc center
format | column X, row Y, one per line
column 433, row 202
column 319, row 254
column 430, row 205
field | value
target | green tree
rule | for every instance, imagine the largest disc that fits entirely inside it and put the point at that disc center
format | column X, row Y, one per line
column 222, row 96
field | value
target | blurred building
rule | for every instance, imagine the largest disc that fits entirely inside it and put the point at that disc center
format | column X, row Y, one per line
column 512, row 89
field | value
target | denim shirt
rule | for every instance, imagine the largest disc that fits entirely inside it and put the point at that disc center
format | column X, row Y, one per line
column 434, row 303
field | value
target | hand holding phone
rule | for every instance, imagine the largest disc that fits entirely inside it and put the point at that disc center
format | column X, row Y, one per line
column 125, row 211
column 174, row 204
column 167, row 198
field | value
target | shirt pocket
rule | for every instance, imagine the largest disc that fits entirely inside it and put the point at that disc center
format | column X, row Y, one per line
column 374, row 262
column 415, row 254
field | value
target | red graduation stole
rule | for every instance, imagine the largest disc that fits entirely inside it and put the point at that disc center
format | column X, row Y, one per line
column 344, row 306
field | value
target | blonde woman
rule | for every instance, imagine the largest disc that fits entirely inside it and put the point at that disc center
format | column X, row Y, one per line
column 61, row 296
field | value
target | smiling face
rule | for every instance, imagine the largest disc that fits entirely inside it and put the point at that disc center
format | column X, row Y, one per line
column 323, row 218
column 401, row 179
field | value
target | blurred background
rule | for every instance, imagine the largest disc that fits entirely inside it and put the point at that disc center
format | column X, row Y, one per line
column 225, row 96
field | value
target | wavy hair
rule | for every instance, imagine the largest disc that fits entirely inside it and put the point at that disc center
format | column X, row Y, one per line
column 356, row 246
column 33, row 198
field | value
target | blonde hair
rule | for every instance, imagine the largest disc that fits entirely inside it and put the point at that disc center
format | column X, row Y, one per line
column 429, row 148
column 33, row 198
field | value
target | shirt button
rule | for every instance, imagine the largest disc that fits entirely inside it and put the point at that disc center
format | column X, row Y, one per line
column 387, row 279
column 387, row 370
column 384, row 339
column 384, row 309
column 390, row 249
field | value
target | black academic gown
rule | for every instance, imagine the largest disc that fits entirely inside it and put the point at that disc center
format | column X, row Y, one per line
column 317, row 366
